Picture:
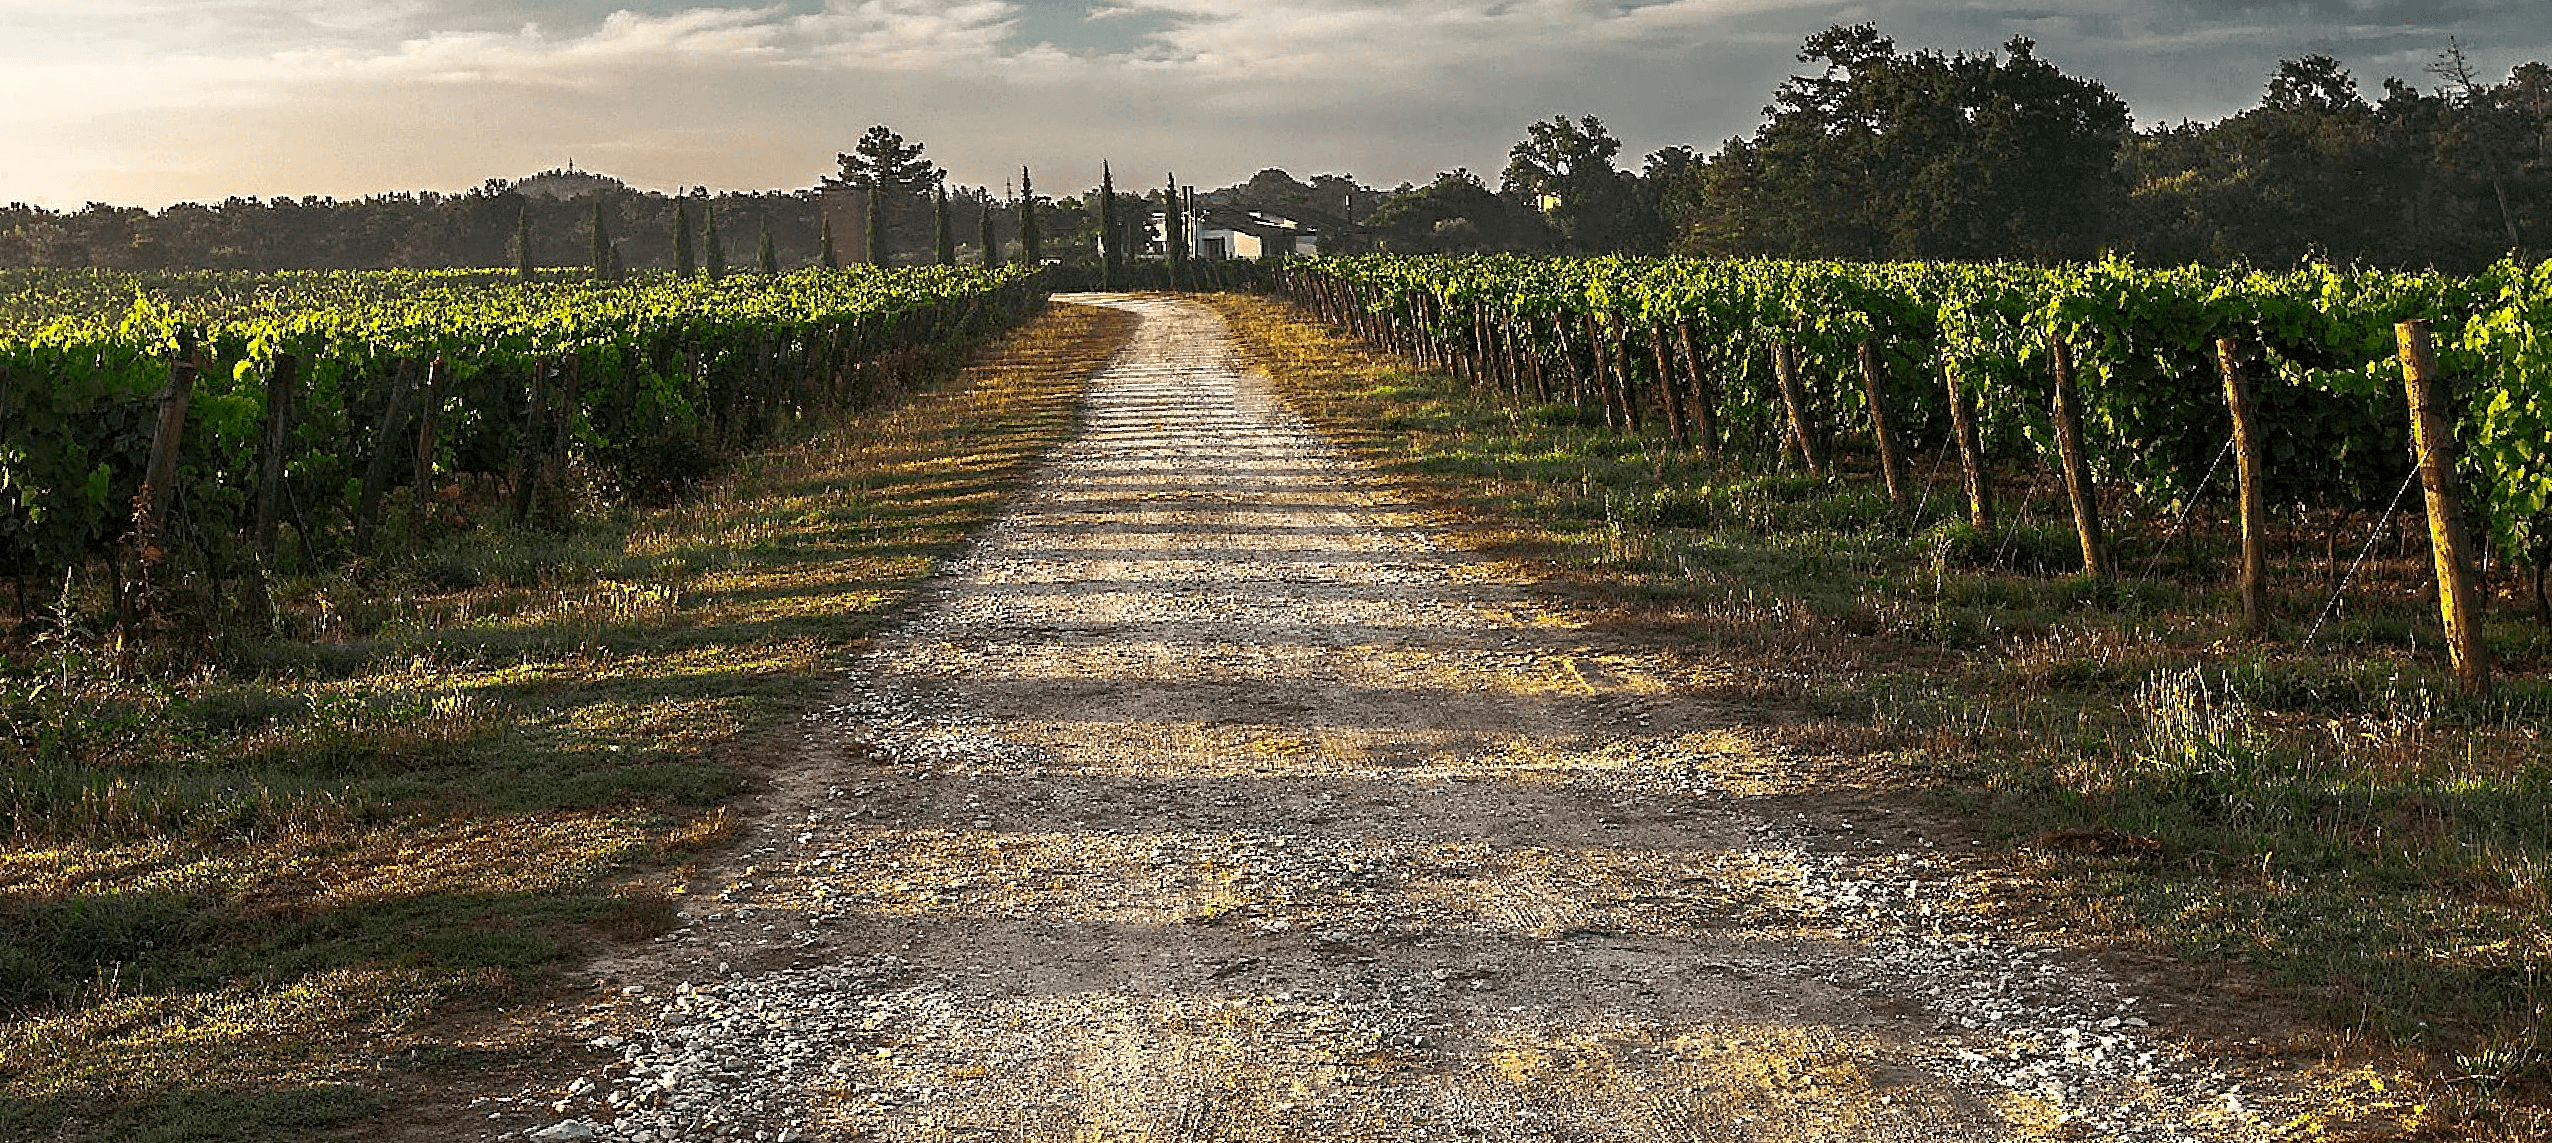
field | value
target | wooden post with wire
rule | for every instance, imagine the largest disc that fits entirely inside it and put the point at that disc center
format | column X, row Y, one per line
column 1882, row 428
column 385, row 450
column 1666, row 395
column 1705, row 416
column 274, row 438
column 282, row 388
column 1794, row 397
column 2078, row 486
column 2457, row 596
column 1971, row 449
column 146, row 544
column 168, row 435
column 2246, row 465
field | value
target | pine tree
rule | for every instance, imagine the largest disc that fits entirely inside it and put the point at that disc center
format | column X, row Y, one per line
column 889, row 171
column 830, row 259
column 1032, row 243
column 770, row 253
column 717, row 249
column 523, row 244
column 876, row 227
column 939, row 218
column 1109, row 238
column 602, row 242
column 685, row 263
column 985, row 237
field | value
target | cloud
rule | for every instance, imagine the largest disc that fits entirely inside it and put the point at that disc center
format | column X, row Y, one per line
column 151, row 100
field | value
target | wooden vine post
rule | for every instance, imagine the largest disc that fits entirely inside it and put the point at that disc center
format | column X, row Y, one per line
column 272, row 438
column 1568, row 359
column 1794, row 397
column 1605, row 376
column 2457, row 596
column 1882, row 427
column 429, row 416
column 168, row 437
column 1532, row 356
column 2078, row 486
column 385, row 446
column 1971, row 450
column 1705, row 416
column 2246, row 467
column 281, row 385
column 562, row 430
column 1675, row 426
column 151, row 503
column 1624, row 382
column 534, row 444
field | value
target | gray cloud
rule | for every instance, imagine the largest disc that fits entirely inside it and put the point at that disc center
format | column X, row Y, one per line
column 153, row 100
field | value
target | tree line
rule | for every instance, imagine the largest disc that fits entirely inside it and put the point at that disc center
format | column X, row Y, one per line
column 888, row 204
column 1878, row 153
column 1883, row 153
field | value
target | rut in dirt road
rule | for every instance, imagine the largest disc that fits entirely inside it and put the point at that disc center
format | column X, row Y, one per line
column 1209, row 799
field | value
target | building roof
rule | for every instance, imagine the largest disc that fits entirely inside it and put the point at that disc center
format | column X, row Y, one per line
column 1261, row 223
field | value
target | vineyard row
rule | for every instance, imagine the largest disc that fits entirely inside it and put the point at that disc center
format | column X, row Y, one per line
column 181, row 442
column 2323, row 387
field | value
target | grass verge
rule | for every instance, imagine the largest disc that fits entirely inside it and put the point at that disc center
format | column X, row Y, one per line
column 2335, row 822
column 270, row 894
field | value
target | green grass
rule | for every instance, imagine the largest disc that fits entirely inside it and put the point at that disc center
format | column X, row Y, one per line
column 2337, row 821
column 276, row 883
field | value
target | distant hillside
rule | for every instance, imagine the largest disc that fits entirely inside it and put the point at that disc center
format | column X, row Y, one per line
column 566, row 184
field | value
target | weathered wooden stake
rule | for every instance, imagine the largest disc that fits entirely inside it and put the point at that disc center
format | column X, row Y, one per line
column 1621, row 373
column 1705, row 414
column 2456, row 595
column 429, row 418
column 281, row 386
column 1971, row 450
column 1568, row 359
column 2078, row 486
column 1882, row 427
column 562, row 433
column 168, row 436
column 385, row 447
column 535, row 443
column 1794, row 395
column 2246, row 466
column 1541, row 378
column 150, row 504
column 1666, row 386
column 1605, row 377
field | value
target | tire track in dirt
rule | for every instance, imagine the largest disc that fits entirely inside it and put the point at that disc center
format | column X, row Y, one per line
column 1208, row 798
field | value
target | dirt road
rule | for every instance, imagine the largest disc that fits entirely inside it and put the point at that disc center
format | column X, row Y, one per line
column 1209, row 798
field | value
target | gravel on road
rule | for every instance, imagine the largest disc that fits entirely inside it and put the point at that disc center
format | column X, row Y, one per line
column 1210, row 797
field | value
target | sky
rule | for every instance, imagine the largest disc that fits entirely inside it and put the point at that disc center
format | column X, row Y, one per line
column 147, row 102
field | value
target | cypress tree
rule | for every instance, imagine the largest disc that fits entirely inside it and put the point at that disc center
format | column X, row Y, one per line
column 1173, row 231
column 1032, row 243
column 523, row 244
column 939, row 219
column 1109, row 237
column 830, row 259
column 685, row 263
column 770, row 254
column 602, row 242
column 717, row 249
column 985, row 237
column 876, row 225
